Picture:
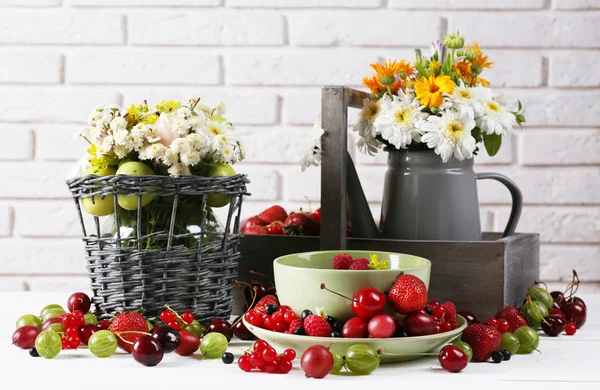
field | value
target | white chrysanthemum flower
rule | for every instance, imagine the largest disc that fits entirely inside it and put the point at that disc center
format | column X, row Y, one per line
column 450, row 134
column 399, row 120
column 155, row 151
column 178, row 170
column 367, row 132
column 495, row 119
column 312, row 153
column 190, row 157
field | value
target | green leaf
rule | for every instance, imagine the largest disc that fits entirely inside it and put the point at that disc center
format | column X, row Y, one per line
column 492, row 143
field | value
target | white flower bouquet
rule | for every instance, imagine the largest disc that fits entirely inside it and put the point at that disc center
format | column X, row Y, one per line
column 440, row 102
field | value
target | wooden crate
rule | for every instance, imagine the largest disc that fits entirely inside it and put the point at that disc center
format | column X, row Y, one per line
column 481, row 276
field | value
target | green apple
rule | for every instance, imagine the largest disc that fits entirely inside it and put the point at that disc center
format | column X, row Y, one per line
column 100, row 205
column 218, row 200
column 135, row 168
column 29, row 319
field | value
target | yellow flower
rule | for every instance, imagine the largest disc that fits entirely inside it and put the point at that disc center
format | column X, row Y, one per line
column 375, row 263
column 386, row 72
column 429, row 90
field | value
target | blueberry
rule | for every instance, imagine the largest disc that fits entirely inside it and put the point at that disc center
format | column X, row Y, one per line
column 300, row 331
column 505, row 354
column 497, row 357
column 227, row 358
column 306, row 313
column 33, row 352
column 335, row 333
column 428, row 310
column 271, row 308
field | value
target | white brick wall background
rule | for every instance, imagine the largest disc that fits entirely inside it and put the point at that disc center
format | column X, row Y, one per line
column 268, row 59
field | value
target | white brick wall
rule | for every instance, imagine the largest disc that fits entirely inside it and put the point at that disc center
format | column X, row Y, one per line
column 268, row 59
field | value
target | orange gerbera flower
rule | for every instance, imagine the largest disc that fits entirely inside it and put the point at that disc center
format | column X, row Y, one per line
column 373, row 84
column 429, row 90
column 390, row 68
column 480, row 60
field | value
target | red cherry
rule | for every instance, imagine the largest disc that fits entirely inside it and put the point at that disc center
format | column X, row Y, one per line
column 418, row 324
column 382, row 326
column 453, row 359
column 355, row 327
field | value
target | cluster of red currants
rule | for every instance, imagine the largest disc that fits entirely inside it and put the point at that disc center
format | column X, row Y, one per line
column 264, row 358
column 277, row 319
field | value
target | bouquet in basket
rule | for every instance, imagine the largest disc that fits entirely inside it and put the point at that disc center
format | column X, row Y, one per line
column 176, row 139
column 440, row 102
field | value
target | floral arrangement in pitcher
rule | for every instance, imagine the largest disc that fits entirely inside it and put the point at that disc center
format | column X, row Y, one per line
column 440, row 102
column 174, row 138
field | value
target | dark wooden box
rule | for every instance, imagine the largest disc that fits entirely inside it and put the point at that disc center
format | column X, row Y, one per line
column 480, row 276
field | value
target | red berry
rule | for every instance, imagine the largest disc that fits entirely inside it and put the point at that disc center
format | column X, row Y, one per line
column 571, row 328
column 187, row 317
column 285, row 366
column 244, row 363
column 289, row 355
column 355, row 327
column 492, row 321
column 167, row 316
column 503, row 325
column 453, row 359
column 174, row 324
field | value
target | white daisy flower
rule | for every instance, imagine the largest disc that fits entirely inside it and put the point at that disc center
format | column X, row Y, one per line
column 312, row 153
column 450, row 134
column 368, row 142
column 495, row 119
column 399, row 120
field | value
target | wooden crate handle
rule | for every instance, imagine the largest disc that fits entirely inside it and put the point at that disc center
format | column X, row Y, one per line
column 340, row 185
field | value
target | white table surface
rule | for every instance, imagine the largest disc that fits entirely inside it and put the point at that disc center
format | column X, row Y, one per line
column 562, row 360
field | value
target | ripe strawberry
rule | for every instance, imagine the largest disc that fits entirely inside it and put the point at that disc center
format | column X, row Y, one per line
column 273, row 213
column 513, row 316
column 301, row 224
column 275, row 228
column 450, row 314
column 483, row 339
column 256, row 229
column 360, row 264
column 408, row 294
column 295, row 325
column 342, row 261
column 316, row 326
column 253, row 221
column 262, row 304
column 127, row 322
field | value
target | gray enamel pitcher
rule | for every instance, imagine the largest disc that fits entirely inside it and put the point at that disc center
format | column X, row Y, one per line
column 427, row 199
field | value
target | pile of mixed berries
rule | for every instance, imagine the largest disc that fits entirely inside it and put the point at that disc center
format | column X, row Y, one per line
column 55, row 330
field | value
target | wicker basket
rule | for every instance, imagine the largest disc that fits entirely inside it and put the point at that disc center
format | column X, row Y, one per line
column 188, row 265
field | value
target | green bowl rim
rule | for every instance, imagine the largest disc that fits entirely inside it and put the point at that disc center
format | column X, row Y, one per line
column 426, row 265
column 454, row 332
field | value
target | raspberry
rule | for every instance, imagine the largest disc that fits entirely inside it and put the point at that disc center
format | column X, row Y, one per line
column 316, row 326
column 360, row 264
column 295, row 325
column 342, row 261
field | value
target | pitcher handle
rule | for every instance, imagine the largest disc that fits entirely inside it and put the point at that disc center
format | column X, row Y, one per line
column 517, row 199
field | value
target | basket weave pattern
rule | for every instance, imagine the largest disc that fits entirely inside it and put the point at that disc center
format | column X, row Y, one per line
column 191, row 270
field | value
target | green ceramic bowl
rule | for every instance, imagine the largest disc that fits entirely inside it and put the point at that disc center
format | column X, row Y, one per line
column 390, row 346
column 298, row 279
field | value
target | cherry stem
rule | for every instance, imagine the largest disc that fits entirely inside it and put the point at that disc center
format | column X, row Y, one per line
column 323, row 287
column 263, row 275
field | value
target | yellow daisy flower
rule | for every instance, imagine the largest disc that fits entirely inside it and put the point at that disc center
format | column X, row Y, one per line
column 429, row 90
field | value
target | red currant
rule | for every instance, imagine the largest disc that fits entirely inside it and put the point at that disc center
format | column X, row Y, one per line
column 492, row 321
column 244, row 363
column 269, row 354
column 174, row 324
column 187, row 317
column 503, row 325
column 453, row 359
column 289, row 355
column 438, row 311
column 285, row 366
column 571, row 328
column 260, row 346
column 167, row 316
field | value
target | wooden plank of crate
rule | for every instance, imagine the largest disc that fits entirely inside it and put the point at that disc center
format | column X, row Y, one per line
column 334, row 111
